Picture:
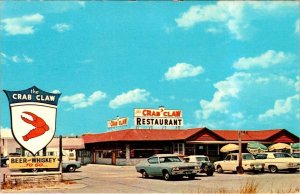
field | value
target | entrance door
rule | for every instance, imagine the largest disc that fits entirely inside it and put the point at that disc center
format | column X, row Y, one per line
column 113, row 158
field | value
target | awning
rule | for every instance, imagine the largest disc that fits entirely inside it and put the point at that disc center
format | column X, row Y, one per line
column 256, row 147
column 279, row 146
column 296, row 146
column 229, row 148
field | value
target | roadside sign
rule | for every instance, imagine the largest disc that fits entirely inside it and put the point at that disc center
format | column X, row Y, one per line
column 33, row 117
column 33, row 162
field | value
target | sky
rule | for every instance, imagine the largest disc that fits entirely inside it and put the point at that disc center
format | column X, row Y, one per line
column 227, row 65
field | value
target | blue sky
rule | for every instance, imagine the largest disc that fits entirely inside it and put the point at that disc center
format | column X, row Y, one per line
column 226, row 65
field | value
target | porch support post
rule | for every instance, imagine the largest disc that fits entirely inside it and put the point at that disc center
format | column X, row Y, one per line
column 127, row 154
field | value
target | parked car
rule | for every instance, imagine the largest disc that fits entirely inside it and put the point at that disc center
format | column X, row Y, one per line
column 166, row 166
column 203, row 161
column 231, row 163
column 276, row 161
column 70, row 165
column 4, row 161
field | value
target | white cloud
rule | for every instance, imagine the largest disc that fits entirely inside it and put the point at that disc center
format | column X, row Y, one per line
column 132, row 96
column 238, row 115
column 213, row 30
column 183, row 70
column 62, row 27
column 247, row 94
column 227, row 13
column 17, row 59
column 265, row 60
column 56, row 92
column 287, row 106
column 230, row 15
column 81, row 3
column 22, row 25
column 229, row 88
column 281, row 106
column 81, row 101
column 297, row 26
column 27, row 59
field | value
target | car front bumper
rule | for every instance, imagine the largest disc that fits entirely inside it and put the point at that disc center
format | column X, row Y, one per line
column 184, row 172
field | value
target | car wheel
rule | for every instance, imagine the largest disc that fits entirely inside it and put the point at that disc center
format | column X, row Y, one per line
column 273, row 169
column 240, row 170
column 166, row 175
column 192, row 176
column 35, row 170
column 71, row 168
column 219, row 169
column 292, row 170
column 210, row 173
column 145, row 174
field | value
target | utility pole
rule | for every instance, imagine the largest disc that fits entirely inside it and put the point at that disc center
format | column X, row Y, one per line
column 240, row 169
column 60, row 158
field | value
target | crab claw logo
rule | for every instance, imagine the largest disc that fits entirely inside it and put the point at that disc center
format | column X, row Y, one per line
column 40, row 126
column 33, row 117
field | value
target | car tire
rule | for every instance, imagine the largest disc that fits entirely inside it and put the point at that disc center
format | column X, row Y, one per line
column 240, row 170
column 166, row 175
column 273, row 169
column 144, row 174
column 71, row 168
column 210, row 173
column 191, row 176
column 219, row 169
column 292, row 170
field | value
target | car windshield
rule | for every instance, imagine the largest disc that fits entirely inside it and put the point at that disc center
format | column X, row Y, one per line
column 202, row 159
column 169, row 159
column 282, row 155
column 248, row 157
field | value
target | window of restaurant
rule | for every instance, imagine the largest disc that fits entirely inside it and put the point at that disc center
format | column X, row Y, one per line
column 84, row 153
column 212, row 150
column 189, row 149
column 179, row 149
column 108, row 153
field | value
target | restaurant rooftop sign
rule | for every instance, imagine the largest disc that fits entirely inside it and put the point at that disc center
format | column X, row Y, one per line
column 118, row 122
column 158, row 117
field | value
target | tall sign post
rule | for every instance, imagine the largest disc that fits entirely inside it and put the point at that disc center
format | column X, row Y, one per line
column 33, row 121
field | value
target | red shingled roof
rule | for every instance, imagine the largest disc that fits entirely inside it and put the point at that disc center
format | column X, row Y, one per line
column 248, row 135
column 141, row 135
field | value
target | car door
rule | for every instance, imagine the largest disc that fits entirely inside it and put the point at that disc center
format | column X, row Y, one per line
column 153, row 166
column 233, row 163
column 226, row 163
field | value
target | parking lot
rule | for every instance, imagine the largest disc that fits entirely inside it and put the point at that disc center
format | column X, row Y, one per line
column 95, row 178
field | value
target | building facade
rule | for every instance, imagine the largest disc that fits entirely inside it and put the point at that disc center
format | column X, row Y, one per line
column 129, row 146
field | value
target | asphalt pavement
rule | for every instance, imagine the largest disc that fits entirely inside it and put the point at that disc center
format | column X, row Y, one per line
column 95, row 178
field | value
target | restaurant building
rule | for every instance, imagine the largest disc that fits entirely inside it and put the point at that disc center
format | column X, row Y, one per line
column 129, row 146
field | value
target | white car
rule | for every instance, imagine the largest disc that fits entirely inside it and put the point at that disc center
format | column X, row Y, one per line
column 231, row 163
column 203, row 161
column 275, row 161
